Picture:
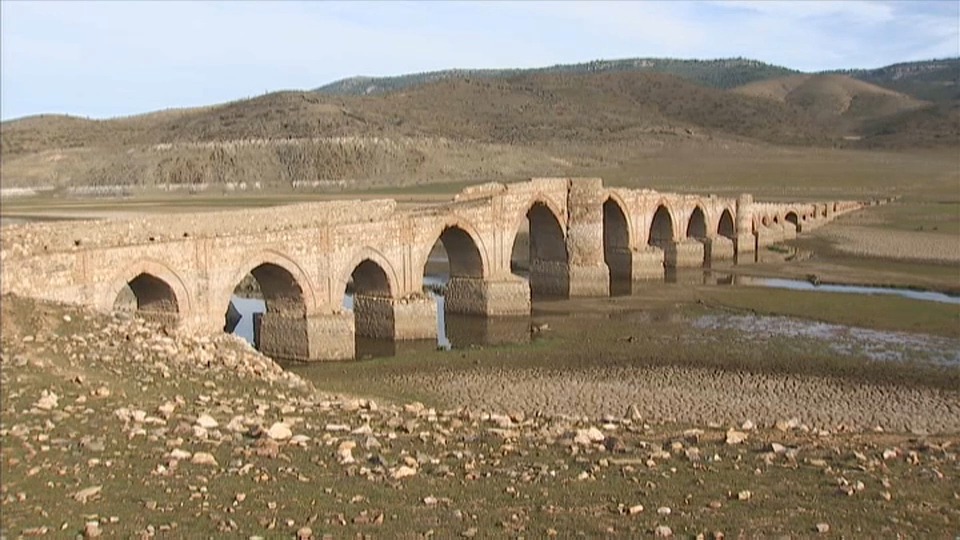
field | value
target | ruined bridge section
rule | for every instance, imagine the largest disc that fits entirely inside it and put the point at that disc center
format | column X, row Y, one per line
column 183, row 268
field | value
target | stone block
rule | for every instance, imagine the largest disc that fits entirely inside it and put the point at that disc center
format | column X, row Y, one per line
column 504, row 296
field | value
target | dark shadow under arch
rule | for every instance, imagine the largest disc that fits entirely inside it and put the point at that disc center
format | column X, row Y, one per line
column 546, row 258
column 616, row 247
column 726, row 227
column 149, row 294
column 463, row 254
column 791, row 217
column 370, row 279
column 661, row 228
column 697, row 225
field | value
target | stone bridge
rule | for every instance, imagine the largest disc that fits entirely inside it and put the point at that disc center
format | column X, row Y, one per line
column 183, row 268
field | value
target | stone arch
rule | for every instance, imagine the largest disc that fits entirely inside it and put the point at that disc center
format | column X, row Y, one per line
column 466, row 252
column 661, row 226
column 376, row 276
column 549, row 240
column 697, row 224
column 823, row 211
column 776, row 219
column 725, row 227
column 548, row 256
column 765, row 220
column 155, row 285
column 616, row 240
column 285, row 285
column 792, row 217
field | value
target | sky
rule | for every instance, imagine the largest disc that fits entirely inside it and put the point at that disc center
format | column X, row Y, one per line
column 116, row 58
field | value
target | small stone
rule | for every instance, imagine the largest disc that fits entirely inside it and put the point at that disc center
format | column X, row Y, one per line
column 470, row 533
column 430, row 501
column 92, row 530
column 179, row 454
column 403, row 471
column 777, row 448
column 203, row 458
column 735, row 437
column 744, row 495
column 304, row 533
column 207, row 422
column 715, row 504
column 48, row 400
column 279, row 431
column 663, row 511
column 823, row 528
column 87, row 493
column 748, row 425
column 635, row 509
column 662, row 531
column 586, row 437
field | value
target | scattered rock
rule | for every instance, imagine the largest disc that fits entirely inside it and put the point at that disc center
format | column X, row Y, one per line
column 203, row 458
column 822, row 528
column 279, row 431
column 735, row 437
column 662, row 531
column 86, row 494
column 207, row 422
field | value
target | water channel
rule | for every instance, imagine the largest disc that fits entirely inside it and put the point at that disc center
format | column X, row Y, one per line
column 461, row 331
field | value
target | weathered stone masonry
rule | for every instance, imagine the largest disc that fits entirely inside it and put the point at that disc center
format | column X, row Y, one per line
column 184, row 267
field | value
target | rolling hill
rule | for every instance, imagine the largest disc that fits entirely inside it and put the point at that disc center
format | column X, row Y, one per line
column 467, row 128
column 829, row 96
column 721, row 73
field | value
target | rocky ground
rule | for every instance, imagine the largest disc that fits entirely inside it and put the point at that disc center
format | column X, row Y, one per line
column 112, row 426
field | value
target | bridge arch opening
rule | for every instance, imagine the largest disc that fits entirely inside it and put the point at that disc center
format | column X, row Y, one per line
column 616, row 247
column 149, row 296
column 791, row 217
column 369, row 296
column 765, row 221
column 697, row 225
column 725, row 227
column 540, row 253
column 661, row 228
column 455, row 254
column 267, row 288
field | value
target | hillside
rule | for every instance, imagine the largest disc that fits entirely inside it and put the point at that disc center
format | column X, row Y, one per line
column 453, row 130
column 721, row 73
column 828, row 96
column 930, row 80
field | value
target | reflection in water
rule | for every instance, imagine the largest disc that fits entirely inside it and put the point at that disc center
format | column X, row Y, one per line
column 453, row 331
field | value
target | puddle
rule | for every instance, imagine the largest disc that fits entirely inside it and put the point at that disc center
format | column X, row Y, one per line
column 799, row 285
column 843, row 340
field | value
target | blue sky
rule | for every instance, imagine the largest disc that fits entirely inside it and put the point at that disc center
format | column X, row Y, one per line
column 104, row 59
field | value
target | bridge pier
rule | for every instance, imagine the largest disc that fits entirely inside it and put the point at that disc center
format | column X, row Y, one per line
column 586, row 271
column 647, row 263
column 380, row 317
column 718, row 248
column 500, row 296
column 686, row 254
column 306, row 338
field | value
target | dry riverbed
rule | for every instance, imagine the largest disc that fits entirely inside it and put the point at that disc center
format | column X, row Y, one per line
column 112, row 427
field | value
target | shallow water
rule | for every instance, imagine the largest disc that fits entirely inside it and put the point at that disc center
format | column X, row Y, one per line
column 453, row 331
column 859, row 289
column 842, row 340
